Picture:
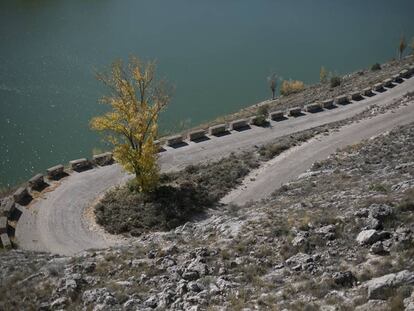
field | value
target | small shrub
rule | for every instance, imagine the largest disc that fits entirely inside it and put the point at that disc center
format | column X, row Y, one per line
column 270, row 151
column 261, row 116
column 291, row 87
column 263, row 110
column 335, row 81
column 380, row 188
column 376, row 67
column 260, row 120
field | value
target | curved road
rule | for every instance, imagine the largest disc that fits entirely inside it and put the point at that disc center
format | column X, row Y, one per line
column 54, row 222
column 289, row 165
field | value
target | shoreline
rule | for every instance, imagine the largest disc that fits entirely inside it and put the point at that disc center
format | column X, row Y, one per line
column 353, row 81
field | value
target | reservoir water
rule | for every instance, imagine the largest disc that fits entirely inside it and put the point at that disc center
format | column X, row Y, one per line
column 217, row 54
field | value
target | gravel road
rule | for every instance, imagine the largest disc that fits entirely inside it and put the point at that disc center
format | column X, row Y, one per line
column 55, row 222
column 262, row 182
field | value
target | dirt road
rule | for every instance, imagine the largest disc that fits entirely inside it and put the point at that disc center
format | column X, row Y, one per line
column 55, row 222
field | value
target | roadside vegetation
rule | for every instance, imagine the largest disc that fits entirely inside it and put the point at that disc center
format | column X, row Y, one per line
column 136, row 99
column 179, row 197
column 186, row 194
column 335, row 81
column 261, row 116
column 289, row 87
column 376, row 67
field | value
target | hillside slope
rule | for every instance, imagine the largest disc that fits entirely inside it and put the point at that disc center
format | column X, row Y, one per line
column 339, row 238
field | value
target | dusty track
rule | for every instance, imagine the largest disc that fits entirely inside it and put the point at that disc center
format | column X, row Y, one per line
column 55, row 222
column 286, row 167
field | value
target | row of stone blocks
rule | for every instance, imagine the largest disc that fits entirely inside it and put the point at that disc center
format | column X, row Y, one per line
column 216, row 130
column 22, row 195
column 37, row 182
column 220, row 129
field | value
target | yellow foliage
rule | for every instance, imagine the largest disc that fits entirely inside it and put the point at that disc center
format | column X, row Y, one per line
column 291, row 87
column 136, row 100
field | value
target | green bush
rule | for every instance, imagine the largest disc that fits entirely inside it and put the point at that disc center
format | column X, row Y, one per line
column 376, row 67
column 335, row 81
column 261, row 116
column 260, row 120
column 263, row 110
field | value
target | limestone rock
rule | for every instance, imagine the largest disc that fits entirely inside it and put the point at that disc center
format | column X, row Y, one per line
column 367, row 237
column 380, row 211
column 382, row 287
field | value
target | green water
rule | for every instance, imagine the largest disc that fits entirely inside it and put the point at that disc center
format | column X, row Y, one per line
column 217, row 54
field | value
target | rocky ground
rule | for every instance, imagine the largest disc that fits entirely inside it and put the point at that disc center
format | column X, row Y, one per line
column 341, row 237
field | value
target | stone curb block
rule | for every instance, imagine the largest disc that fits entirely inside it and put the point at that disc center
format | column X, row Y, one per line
column 79, row 164
column 295, row 111
column 315, row 107
column 378, row 87
column 20, row 194
column 396, row 78
column 7, row 207
column 5, row 241
column 103, row 158
column 329, row 103
column 277, row 115
column 218, row 129
column 341, row 99
column 197, row 134
column 3, row 224
column 355, row 96
column 174, row 140
column 367, row 91
column 36, row 181
column 238, row 124
column 404, row 74
column 387, row 82
column 55, row 171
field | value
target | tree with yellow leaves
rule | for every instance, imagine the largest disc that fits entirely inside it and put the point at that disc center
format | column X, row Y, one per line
column 136, row 99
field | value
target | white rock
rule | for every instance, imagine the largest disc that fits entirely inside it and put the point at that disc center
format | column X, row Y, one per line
column 367, row 237
column 380, row 288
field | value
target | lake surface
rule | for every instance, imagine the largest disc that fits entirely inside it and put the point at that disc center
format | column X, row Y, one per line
column 217, row 54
